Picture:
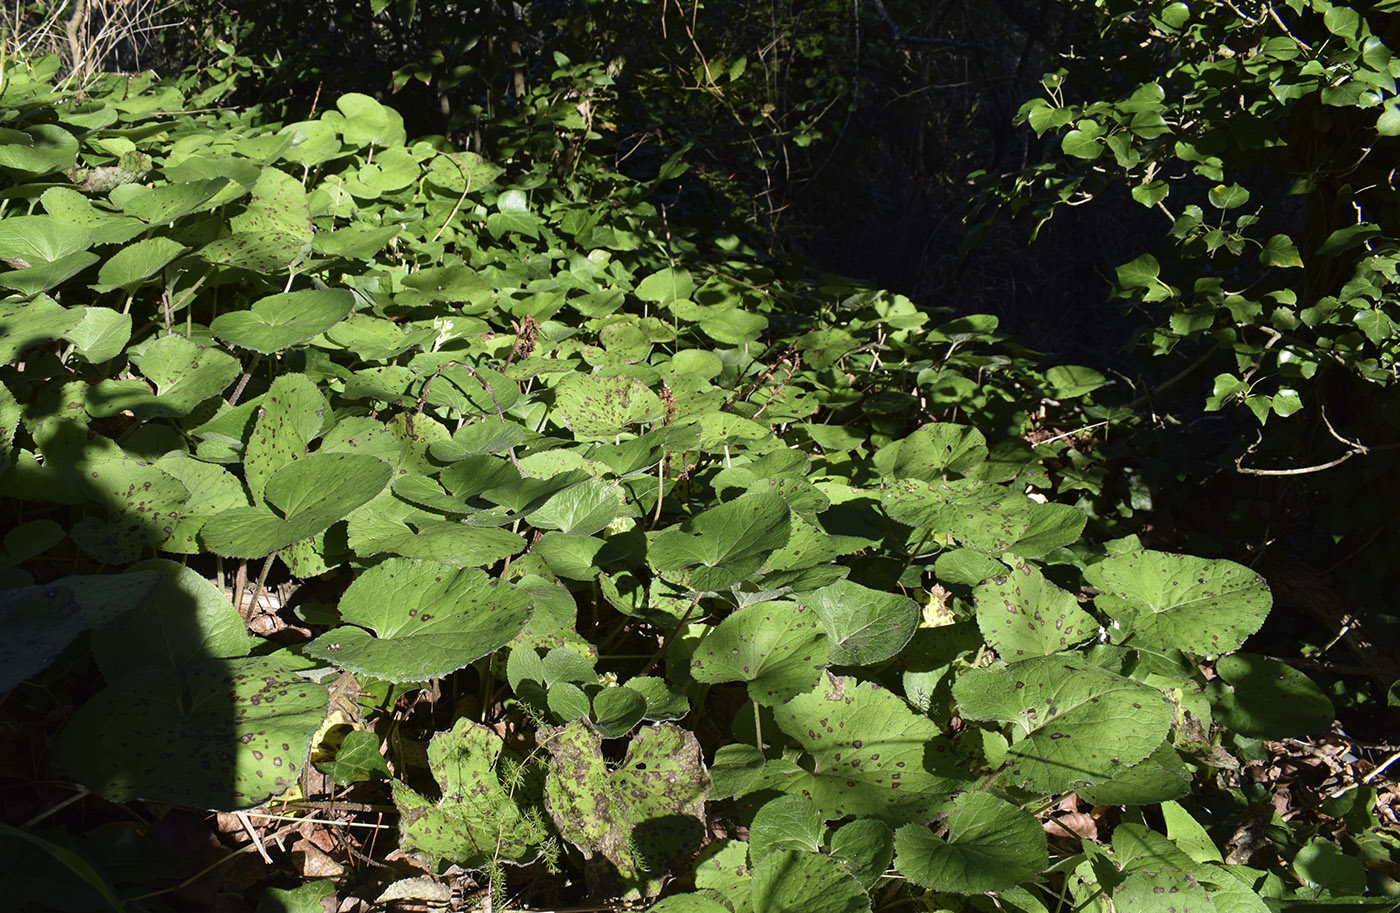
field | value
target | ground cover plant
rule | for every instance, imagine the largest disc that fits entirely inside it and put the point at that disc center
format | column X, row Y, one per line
column 465, row 533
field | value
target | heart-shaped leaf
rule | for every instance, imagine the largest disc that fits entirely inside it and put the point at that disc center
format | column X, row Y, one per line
column 992, row 846
column 598, row 408
column 310, row 495
column 779, row 648
column 865, row 626
column 281, row 321
column 797, row 881
column 409, row 621
column 983, row 515
column 645, row 817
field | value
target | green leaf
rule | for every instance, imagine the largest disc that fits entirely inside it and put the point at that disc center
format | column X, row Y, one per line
column 932, row 452
column 966, row 566
column 666, row 286
column 1342, row 21
column 1153, row 192
column 363, row 121
column 616, row 711
column 793, row 881
column 461, row 172
column 736, row 767
column 164, row 204
column 1082, row 144
column 725, row 544
column 787, row 822
column 871, row 756
column 378, row 529
column 688, row 903
column 40, row 621
column 276, row 204
column 1160, row 777
column 32, row 323
column 1279, row 250
column 142, row 506
column 983, row 515
column 865, row 626
column 310, row 495
column 305, row 898
column 456, row 284
column 1139, row 273
column 356, row 760
column 662, row 701
column 1072, row 381
column 50, row 148
column 778, row 648
column 1022, row 614
column 135, row 263
column 212, row 489
column 1161, row 890
column 1321, row 862
column 579, row 510
column 733, row 327
column 256, row 251
column 992, row 846
column 1266, row 699
column 477, row 821
column 598, row 408
column 865, row 847
column 1187, row 833
column 645, row 817
column 184, row 373
column 1344, row 239
column 290, row 417
column 1075, row 724
column 181, row 621
column 1230, row 196
column 40, row 239
column 45, row 276
column 1052, row 526
column 1167, row 602
column 102, row 334
column 281, row 321
column 409, row 621
column 228, row 735
column 354, row 242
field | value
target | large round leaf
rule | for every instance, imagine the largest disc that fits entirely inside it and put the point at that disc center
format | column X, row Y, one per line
column 865, row 626
column 1076, row 724
column 1265, row 699
column 871, row 756
column 992, row 846
column 230, row 734
column 281, row 321
column 725, row 544
column 779, row 648
column 310, row 495
column 1179, row 602
column 409, row 621
column 983, row 515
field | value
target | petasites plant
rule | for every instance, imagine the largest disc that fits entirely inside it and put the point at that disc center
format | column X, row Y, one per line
column 617, row 554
